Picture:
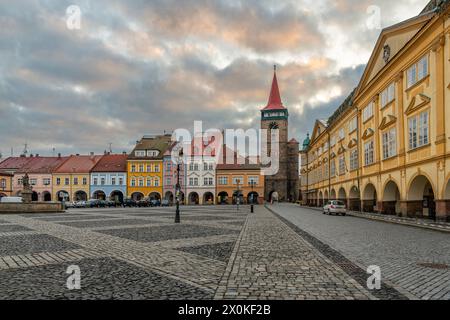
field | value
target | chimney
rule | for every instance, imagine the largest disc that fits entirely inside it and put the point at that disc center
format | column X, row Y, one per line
column 124, row 153
column 37, row 155
column 77, row 154
column 59, row 155
column 91, row 153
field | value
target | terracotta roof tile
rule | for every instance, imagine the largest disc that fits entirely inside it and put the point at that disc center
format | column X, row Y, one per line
column 111, row 163
column 42, row 164
column 78, row 164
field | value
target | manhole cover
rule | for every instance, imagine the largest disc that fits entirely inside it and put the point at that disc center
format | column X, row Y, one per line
column 439, row 266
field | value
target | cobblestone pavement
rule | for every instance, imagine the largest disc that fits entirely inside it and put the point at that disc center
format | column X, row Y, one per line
column 413, row 260
column 127, row 253
column 216, row 252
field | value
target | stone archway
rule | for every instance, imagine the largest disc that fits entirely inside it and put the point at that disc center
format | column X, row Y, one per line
column 369, row 198
column 354, row 199
column 63, row 195
column 326, row 197
column 333, row 194
column 34, row 196
column 320, row 199
column 99, row 195
column 342, row 195
column 193, row 198
column 222, row 197
column 137, row 196
column 391, row 199
column 169, row 197
column 154, row 196
column 80, row 196
column 46, row 196
column 421, row 198
column 253, row 198
column 208, row 198
column 116, row 196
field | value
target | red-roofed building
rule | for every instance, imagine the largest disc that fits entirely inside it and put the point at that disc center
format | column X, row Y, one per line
column 71, row 179
column 39, row 170
column 109, row 178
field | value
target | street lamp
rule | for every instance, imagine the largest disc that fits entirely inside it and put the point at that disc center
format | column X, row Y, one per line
column 178, row 186
column 252, row 183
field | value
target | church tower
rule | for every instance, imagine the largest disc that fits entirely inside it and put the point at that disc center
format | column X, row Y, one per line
column 275, row 116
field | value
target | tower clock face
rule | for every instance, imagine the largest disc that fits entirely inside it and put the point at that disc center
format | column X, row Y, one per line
column 273, row 125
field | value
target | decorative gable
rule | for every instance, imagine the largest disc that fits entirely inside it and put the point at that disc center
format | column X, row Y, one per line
column 417, row 102
column 387, row 121
column 368, row 133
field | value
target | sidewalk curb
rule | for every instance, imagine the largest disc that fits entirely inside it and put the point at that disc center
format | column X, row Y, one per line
column 387, row 220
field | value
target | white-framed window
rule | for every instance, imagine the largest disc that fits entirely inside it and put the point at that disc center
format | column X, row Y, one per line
column 66, row 181
column 141, row 182
column 253, row 180
column 368, row 153
column 3, row 183
column 133, row 182
column 141, row 168
column 195, row 166
column 133, row 168
column 169, row 181
column 156, row 182
column 157, row 168
column 237, row 180
column 152, row 153
column 211, row 167
column 33, row 182
column 333, row 168
column 149, row 182
column 46, row 181
column 341, row 134
column 84, row 181
column 195, row 181
column 102, row 181
column 352, row 125
column 367, row 112
column 58, row 181
column 120, row 181
column 333, row 141
column 139, row 153
column 205, row 166
column 354, row 159
column 149, row 168
column 223, row 181
column 113, row 181
column 388, row 95
column 342, row 165
column 325, row 169
column 389, row 143
column 419, row 130
column 417, row 71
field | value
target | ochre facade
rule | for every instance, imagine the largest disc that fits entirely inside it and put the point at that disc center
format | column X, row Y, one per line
column 386, row 148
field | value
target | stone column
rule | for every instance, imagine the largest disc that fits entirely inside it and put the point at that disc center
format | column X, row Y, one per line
column 442, row 210
column 412, row 209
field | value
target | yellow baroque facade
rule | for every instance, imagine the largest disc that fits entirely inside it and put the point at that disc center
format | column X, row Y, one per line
column 145, row 178
column 386, row 149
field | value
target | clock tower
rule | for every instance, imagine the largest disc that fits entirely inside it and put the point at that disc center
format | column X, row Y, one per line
column 275, row 117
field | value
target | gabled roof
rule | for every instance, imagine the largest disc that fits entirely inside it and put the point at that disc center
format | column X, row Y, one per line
column 13, row 164
column 159, row 142
column 393, row 39
column 319, row 127
column 44, row 165
column 274, row 102
column 111, row 163
column 78, row 164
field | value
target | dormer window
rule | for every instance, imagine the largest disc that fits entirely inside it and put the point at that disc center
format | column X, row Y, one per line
column 152, row 153
column 139, row 153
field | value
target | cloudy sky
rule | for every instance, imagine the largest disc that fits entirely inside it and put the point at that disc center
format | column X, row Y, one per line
column 142, row 67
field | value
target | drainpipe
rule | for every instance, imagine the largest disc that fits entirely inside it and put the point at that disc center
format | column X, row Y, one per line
column 359, row 157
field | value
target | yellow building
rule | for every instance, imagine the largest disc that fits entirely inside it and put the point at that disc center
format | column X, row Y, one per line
column 387, row 146
column 71, row 180
column 6, row 187
column 145, row 167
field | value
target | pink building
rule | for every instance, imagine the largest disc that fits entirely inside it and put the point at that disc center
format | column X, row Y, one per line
column 39, row 170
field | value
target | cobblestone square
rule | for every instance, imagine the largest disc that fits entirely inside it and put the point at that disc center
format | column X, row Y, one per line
column 279, row 252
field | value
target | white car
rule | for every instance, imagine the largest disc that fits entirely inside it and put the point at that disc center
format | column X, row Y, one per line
column 336, row 207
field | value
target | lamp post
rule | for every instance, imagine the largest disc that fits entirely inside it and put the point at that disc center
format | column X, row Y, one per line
column 252, row 183
column 178, row 187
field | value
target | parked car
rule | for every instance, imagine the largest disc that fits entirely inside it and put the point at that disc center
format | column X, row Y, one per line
column 335, row 206
column 70, row 204
column 165, row 203
column 80, row 204
column 110, row 203
column 11, row 200
column 93, row 203
column 143, row 203
column 155, row 203
column 129, row 203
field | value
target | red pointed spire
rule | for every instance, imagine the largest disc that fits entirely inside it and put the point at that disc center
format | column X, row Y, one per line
column 274, row 98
